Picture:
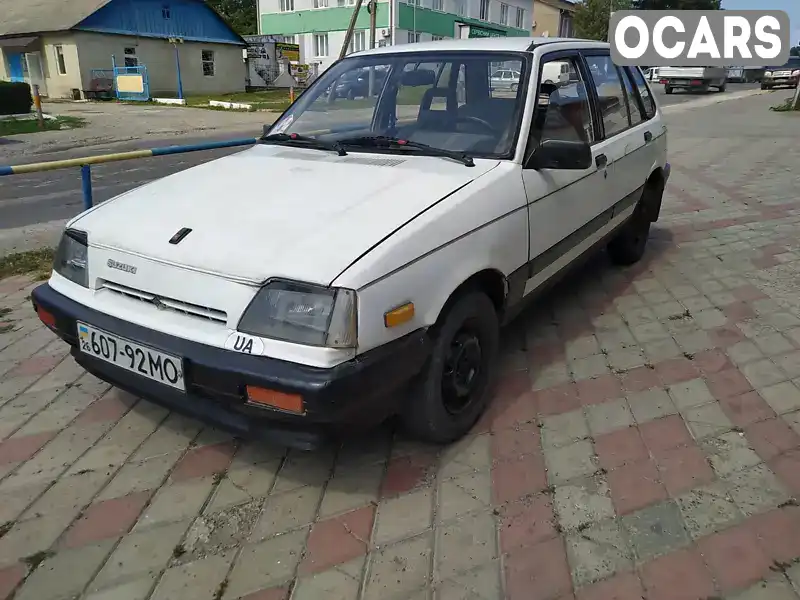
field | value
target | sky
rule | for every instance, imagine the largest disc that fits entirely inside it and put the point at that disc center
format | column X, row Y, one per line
column 792, row 7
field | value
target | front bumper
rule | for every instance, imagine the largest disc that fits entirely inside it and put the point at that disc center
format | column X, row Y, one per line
column 353, row 395
column 780, row 81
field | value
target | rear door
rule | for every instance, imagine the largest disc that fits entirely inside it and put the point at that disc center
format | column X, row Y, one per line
column 622, row 136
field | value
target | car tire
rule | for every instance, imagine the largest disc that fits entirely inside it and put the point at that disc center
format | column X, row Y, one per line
column 514, row 87
column 667, row 89
column 628, row 246
column 467, row 337
column 722, row 88
column 764, row 87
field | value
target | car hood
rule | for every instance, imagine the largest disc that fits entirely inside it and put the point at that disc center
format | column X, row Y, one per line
column 276, row 211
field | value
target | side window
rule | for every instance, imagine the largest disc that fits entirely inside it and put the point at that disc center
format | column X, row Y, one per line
column 613, row 107
column 644, row 92
column 562, row 111
column 630, row 95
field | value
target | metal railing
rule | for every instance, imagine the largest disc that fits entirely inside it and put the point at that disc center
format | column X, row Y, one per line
column 86, row 162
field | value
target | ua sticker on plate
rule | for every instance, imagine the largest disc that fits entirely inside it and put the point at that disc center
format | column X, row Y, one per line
column 246, row 344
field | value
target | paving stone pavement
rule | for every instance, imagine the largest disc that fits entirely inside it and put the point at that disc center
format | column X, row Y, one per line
column 644, row 441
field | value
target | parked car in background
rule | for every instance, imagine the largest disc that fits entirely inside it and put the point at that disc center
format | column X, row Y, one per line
column 356, row 84
column 505, row 79
column 735, row 74
column 415, row 226
column 786, row 75
column 700, row 79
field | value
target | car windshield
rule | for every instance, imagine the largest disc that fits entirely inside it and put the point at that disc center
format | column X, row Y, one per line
column 445, row 100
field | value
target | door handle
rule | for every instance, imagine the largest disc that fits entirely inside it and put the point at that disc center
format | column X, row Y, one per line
column 648, row 137
column 601, row 160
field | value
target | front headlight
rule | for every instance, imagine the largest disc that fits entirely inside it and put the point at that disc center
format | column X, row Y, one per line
column 303, row 314
column 767, row 73
column 72, row 257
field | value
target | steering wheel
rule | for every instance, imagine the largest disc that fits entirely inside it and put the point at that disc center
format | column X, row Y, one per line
column 477, row 121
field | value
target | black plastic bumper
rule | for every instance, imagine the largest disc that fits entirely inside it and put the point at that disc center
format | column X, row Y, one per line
column 354, row 395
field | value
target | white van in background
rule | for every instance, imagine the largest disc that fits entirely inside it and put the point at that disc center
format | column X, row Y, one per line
column 555, row 72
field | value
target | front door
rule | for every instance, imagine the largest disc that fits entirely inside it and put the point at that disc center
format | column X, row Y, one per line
column 15, row 69
column 565, row 207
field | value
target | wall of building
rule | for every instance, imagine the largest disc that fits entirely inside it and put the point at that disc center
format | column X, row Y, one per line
column 158, row 55
column 60, row 85
column 430, row 19
column 548, row 18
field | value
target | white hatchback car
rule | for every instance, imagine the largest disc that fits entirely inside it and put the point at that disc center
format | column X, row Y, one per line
column 358, row 262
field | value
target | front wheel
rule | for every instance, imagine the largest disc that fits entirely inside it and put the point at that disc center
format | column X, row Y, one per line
column 629, row 244
column 667, row 89
column 722, row 88
column 764, row 87
column 513, row 87
column 454, row 387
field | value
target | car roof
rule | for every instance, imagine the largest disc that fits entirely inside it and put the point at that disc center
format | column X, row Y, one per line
column 488, row 44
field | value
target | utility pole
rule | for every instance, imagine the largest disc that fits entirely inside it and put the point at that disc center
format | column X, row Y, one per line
column 348, row 36
column 796, row 98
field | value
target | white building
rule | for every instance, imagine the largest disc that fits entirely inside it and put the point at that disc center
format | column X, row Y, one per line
column 319, row 26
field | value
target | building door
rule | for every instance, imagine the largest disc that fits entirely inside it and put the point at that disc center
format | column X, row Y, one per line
column 35, row 71
column 16, row 71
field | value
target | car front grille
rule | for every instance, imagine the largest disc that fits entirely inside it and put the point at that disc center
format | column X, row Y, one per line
column 164, row 303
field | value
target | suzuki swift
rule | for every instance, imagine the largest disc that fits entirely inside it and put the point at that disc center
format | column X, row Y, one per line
column 358, row 261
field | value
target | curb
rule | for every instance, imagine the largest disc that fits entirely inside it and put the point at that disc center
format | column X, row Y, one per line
column 676, row 108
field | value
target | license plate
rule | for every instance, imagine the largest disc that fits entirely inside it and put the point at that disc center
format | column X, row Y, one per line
column 133, row 357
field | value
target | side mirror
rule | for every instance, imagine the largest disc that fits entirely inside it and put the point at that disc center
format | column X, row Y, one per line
column 561, row 154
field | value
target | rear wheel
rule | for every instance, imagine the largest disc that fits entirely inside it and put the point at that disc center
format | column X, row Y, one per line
column 513, row 87
column 629, row 244
column 453, row 389
column 667, row 89
column 722, row 88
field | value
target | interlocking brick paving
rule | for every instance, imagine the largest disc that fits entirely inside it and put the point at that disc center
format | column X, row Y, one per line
column 643, row 442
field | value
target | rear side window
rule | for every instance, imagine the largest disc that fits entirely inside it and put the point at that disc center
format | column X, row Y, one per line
column 644, row 92
column 633, row 102
column 613, row 105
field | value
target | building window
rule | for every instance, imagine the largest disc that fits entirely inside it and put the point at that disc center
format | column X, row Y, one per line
column 483, row 13
column 504, row 14
column 320, row 3
column 290, row 39
column 438, row 5
column 131, row 60
column 287, row 5
column 208, row 63
column 321, row 45
column 358, row 42
column 459, row 7
column 62, row 64
column 413, row 37
column 436, row 38
column 520, row 18
column 165, row 12
column 341, row 3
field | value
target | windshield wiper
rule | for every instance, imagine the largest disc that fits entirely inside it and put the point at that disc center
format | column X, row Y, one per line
column 384, row 141
column 304, row 140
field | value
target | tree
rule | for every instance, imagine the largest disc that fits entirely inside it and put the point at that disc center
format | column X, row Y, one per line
column 242, row 15
column 677, row 4
column 794, row 51
column 591, row 17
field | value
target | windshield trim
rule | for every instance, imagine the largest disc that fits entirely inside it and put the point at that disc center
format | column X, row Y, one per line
column 525, row 57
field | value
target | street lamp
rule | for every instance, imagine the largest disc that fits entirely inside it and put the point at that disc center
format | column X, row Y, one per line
column 175, row 41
